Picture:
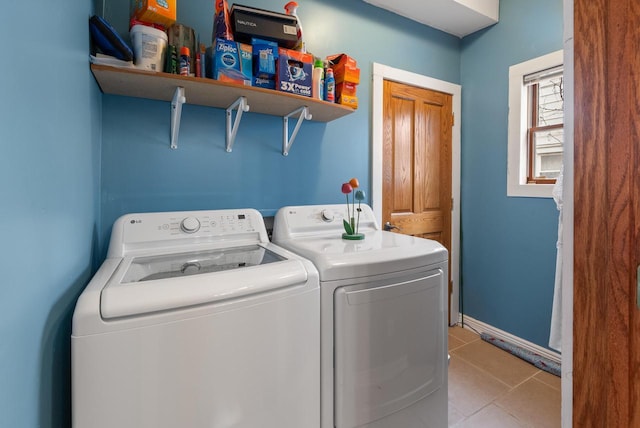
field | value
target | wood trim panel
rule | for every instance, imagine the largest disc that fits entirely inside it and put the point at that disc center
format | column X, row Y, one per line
column 590, row 212
column 605, row 365
column 633, row 53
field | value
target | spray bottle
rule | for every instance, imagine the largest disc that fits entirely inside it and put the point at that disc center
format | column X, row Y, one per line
column 330, row 87
column 185, row 61
column 291, row 8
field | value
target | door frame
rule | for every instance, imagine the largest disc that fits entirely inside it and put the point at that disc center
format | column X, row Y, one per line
column 380, row 73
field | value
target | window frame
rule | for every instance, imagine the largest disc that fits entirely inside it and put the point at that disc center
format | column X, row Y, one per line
column 518, row 183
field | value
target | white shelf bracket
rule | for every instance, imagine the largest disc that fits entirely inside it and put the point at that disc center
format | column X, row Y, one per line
column 287, row 141
column 232, row 129
column 176, row 112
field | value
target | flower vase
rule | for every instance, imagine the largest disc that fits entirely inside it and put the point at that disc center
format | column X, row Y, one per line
column 353, row 236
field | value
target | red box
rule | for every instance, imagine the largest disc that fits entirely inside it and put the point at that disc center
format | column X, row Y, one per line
column 346, row 88
column 341, row 60
column 345, row 68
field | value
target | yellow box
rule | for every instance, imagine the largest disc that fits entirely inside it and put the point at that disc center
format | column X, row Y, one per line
column 349, row 101
column 161, row 12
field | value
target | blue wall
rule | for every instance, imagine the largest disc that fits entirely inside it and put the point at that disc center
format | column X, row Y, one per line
column 508, row 244
column 74, row 160
column 141, row 172
column 49, row 183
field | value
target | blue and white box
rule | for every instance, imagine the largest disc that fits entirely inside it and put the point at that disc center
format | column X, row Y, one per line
column 229, row 61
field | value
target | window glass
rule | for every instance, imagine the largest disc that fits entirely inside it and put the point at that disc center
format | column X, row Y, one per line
column 547, row 153
column 550, row 102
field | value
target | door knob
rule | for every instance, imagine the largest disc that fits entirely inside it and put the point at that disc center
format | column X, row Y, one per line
column 389, row 227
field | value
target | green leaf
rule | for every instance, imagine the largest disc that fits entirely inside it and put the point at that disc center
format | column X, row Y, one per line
column 347, row 227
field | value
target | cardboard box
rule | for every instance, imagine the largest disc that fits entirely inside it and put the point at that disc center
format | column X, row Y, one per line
column 260, row 82
column 265, row 55
column 345, row 68
column 229, row 61
column 348, row 100
column 248, row 22
column 294, row 72
column 346, row 88
column 246, row 62
column 155, row 11
column 347, row 74
column 341, row 60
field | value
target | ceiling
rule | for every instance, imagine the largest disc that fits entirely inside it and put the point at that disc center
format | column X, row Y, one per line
column 457, row 17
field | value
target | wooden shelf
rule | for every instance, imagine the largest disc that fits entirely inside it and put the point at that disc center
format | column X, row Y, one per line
column 209, row 92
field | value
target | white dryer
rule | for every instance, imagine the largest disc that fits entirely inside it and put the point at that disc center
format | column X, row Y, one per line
column 383, row 319
column 196, row 320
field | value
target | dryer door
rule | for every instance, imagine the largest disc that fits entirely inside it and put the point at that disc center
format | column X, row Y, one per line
column 389, row 347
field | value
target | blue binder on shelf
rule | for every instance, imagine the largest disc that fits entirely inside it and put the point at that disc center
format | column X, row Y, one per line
column 107, row 39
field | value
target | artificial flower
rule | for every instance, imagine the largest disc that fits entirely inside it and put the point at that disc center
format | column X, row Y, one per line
column 350, row 224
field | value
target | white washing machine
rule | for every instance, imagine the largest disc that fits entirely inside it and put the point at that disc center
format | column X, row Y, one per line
column 196, row 320
column 383, row 319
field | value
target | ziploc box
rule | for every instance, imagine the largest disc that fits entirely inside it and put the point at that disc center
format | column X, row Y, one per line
column 155, row 11
column 265, row 54
column 294, row 72
column 229, row 61
column 260, row 82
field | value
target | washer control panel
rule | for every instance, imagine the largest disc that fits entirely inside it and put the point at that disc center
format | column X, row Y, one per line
column 321, row 218
column 190, row 225
column 328, row 215
column 135, row 230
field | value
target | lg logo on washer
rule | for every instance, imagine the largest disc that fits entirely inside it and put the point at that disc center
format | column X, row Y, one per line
column 136, row 221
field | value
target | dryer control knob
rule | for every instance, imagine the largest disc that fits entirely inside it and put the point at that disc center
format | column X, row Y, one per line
column 190, row 225
column 327, row 216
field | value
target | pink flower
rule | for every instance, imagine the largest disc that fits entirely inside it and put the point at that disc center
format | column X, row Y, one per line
column 346, row 188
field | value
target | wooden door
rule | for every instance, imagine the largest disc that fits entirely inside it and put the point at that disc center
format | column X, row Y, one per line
column 606, row 361
column 416, row 165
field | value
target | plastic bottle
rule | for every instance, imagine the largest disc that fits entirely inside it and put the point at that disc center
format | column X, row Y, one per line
column 291, row 8
column 317, row 89
column 185, row 59
column 330, row 87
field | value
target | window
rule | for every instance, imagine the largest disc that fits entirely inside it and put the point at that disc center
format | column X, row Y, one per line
column 535, row 126
column 545, row 127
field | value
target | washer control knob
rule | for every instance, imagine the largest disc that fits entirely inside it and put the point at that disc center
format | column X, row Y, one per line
column 190, row 225
column 327, row 216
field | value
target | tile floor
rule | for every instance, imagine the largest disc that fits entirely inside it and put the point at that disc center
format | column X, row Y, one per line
column 489, row 387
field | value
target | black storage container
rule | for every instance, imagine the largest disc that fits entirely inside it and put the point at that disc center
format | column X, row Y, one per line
column 248, row 22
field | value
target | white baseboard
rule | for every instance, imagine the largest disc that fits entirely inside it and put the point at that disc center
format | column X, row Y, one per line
column 480, row 327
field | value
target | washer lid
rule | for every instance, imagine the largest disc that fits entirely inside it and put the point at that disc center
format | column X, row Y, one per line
column 149, row 268
column 153, row 283
column 379, row 253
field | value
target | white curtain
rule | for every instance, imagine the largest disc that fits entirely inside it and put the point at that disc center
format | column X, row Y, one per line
column 555, row 336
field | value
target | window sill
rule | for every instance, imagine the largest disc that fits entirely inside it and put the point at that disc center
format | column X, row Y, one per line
column 530, row 190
